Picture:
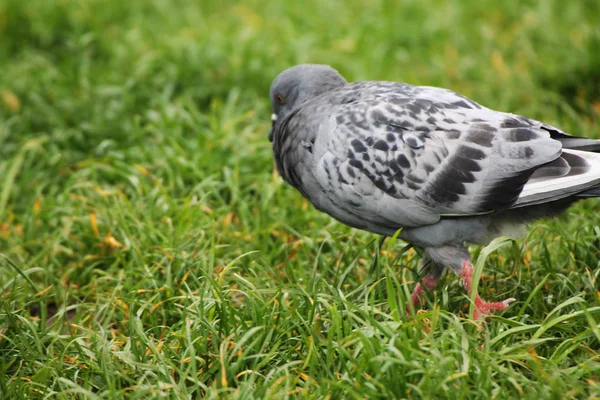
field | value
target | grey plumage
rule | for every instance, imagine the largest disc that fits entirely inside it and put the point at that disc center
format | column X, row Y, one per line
column 380, row 156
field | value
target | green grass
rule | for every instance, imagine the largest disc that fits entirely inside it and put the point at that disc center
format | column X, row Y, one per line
column 151, row 251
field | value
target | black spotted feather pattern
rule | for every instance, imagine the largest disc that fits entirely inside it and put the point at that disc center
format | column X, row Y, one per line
column 384, row 155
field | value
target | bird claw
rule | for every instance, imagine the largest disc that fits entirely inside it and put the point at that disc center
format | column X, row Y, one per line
column 508, row 301
column 483, row 308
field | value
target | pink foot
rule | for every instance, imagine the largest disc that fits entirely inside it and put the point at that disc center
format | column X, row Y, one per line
column 416, row 297
column 482, row 307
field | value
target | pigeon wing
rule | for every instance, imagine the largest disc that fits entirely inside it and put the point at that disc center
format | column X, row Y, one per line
column 403, row 156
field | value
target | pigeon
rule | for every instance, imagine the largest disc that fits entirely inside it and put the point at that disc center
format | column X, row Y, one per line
column 382, row 156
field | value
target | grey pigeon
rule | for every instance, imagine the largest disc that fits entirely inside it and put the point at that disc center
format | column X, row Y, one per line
column 381, row 156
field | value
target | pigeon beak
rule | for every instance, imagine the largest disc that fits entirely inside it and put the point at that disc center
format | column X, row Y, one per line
column 273, row 120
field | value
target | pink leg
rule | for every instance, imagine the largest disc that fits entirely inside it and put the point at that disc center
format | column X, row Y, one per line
column 416, row 297
column 482, row 307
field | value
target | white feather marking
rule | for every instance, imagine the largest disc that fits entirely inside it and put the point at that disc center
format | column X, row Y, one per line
column 555, row 188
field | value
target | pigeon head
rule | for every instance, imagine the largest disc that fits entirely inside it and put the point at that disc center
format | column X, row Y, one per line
column 298, row 84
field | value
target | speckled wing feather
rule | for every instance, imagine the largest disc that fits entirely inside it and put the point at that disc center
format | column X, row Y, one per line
column 400, row 155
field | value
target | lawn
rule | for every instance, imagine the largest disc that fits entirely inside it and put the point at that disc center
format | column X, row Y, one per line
column 150, row 250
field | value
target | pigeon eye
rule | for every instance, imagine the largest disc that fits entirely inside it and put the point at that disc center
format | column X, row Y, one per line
column 279, row 98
